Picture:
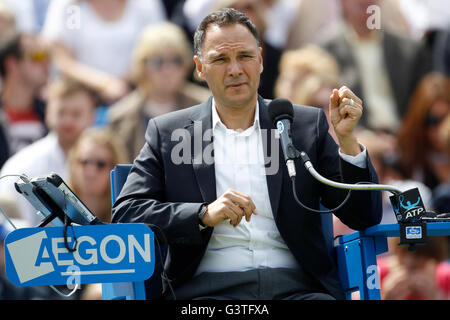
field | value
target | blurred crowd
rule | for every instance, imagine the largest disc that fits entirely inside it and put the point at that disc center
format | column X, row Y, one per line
column 79, row 80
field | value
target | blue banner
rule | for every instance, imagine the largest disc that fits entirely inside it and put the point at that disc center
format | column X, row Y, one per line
column 104, row 253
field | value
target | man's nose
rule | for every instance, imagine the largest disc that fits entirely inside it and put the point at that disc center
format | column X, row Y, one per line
column 234, row 68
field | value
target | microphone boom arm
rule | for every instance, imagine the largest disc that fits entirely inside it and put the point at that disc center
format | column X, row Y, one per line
column 367, row 187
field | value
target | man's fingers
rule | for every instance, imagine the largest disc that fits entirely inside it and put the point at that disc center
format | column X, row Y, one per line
column 351, row 111
column 351, row 103
column 238, row 211
column 345, row 92
column 334, row 99
column 243, row 201
column 233, row 206
column 234, row 217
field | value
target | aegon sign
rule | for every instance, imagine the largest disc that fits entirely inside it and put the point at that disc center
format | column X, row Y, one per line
column 104, row 253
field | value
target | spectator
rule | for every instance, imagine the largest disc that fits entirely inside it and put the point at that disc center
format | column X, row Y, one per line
column 423, row 154
column 316, row 19
column 91, row 159
column 70, row 110
column 422, row 274
column 377, row 64
column 383, row 150
column 7, row 27
column 97, row 51
column 445, row 132
column 307, row 77
column 24, row 68
column 161, row 62
column 441, row 194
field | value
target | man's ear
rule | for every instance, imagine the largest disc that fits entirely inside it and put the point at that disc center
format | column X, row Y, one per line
column 199, row 67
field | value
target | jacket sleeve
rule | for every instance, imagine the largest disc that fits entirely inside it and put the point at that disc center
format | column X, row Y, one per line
column 142, row 199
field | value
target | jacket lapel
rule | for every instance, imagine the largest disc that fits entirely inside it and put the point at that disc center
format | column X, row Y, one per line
column 202, row 150
column 274, row 175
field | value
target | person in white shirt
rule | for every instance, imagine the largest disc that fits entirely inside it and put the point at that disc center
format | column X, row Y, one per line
column 70, row 109
column 210, row 180
column 93, row 40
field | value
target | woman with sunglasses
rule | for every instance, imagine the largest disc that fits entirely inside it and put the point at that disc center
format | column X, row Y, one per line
column 161, row 64
column 423, row 152
column 96, row 152
column 91, row 159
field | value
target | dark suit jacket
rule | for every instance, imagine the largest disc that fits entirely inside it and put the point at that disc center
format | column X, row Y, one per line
column 170, row 196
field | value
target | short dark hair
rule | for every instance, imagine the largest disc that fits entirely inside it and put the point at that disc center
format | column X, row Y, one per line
column 9, row 46
column 222, row 17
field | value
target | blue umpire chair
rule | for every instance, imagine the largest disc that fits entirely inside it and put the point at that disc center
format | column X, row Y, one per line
column 150, row 289
column 355, row 255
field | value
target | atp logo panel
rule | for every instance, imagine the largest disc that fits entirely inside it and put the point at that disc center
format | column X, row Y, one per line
column 408, row 206
column 103, row 253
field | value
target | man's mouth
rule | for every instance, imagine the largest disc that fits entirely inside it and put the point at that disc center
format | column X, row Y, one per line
column 236, row 85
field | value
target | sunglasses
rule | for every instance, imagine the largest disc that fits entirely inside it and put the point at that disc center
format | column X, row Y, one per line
column 431, row 120
column 98, row 163
column 158, row 63
column 37, row 56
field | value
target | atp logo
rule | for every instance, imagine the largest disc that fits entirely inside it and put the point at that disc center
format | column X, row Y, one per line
column 280, row 127
column 408, row 205
column 412, row 209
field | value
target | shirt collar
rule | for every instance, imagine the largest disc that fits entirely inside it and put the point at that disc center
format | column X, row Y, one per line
column 217, row 122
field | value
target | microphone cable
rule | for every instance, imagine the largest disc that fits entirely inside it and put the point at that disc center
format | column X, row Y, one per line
column 366, row 186
column 294, row 190
column 323, row 211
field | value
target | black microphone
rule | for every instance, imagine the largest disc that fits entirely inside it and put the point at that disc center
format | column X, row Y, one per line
column 281, row 112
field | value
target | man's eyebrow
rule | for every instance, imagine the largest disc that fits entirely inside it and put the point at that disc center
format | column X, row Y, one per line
column 248, row 52
column 217, row 55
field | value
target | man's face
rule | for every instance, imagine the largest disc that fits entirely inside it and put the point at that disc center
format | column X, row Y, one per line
column 231, row 65
column 34, row 67
column 170, row 66
column 69, row 116
column 356, row 10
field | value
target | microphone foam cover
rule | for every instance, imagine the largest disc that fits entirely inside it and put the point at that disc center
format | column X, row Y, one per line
column 280, row 109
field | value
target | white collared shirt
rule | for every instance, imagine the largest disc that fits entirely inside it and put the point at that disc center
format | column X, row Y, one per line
column 239, row 165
